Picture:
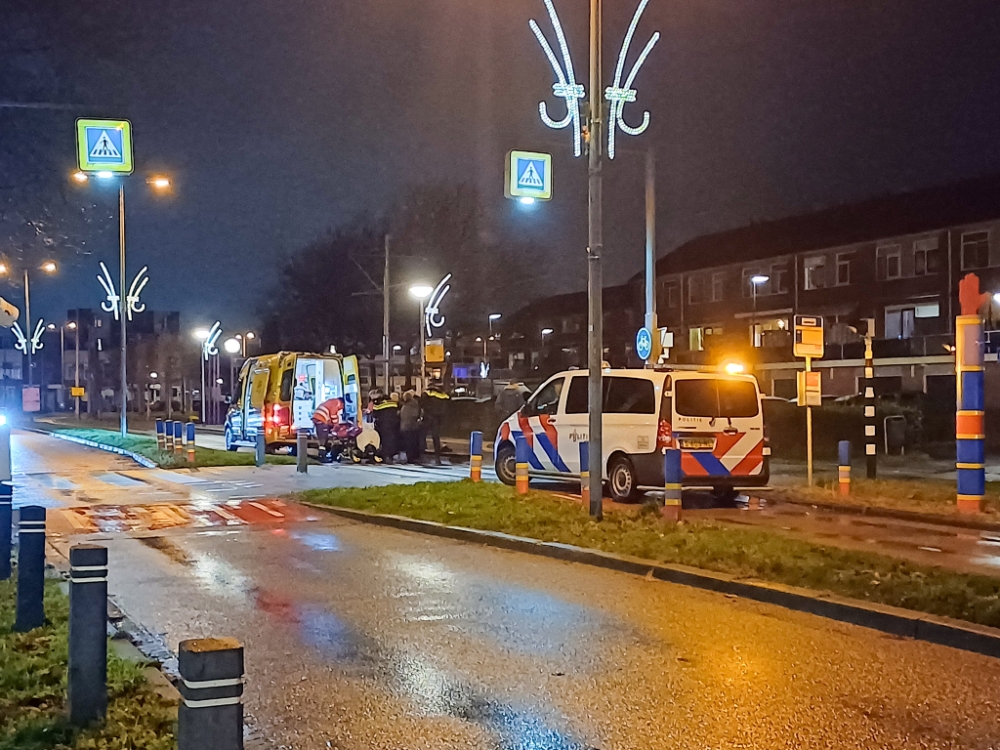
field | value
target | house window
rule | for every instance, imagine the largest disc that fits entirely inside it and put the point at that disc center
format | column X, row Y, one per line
column 887, row 263
column 779, row 280
column 929, row 310
column 718, row 286
column 843, row 269
column 899, row 323
column 926, row 257
column 696, row 290
column 673, row 295
column 696, row 339
column 975, row 250
column 815, row 272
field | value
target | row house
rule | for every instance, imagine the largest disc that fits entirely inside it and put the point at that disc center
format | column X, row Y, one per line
column 895, row 259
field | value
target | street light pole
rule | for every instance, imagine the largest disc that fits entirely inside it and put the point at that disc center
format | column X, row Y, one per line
column 122, row 306
column 27, row 322
column 595, row 285
column 386, row 348
column 423, row 345
column 76, row 376
column 651, row 322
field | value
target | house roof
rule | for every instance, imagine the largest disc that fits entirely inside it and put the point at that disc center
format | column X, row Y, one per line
column 877, row 218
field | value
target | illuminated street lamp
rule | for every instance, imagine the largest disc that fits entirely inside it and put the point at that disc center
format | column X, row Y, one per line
column 160, row 184
column 421, row 292
column 755, row 281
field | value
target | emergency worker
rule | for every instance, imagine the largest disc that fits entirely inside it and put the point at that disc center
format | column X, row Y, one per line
column 434, row 403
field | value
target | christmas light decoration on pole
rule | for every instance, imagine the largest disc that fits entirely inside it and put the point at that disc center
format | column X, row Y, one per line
column 23, row 343
column 432, row 312
column 112, row 301
column 617, row 95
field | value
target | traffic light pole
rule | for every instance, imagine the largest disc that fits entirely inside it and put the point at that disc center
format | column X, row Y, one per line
column 123, row 307
column 595, row 284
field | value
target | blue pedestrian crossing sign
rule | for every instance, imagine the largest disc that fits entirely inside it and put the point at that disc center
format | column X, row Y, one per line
column 644, row 344
column 528, row 175
column 104, row 145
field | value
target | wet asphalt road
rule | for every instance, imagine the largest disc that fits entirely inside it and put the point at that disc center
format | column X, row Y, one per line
column 362, row 637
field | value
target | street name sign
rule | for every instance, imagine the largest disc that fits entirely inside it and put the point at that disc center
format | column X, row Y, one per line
column 528, row 175
column 104, row 145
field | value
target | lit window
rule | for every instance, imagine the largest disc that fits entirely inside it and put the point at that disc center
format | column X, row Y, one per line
column 815, row 272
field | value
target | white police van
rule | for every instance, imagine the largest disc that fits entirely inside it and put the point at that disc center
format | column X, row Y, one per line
column 715, row 419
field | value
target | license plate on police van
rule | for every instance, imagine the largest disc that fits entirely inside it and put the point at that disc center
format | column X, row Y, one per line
column 697, row 444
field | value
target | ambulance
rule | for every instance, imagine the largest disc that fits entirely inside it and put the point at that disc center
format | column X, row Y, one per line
column 715, row 419
column 280, row 392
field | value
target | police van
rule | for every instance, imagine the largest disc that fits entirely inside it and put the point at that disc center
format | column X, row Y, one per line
column 714, row 418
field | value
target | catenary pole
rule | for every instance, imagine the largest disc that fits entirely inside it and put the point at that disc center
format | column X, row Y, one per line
column 594, row 251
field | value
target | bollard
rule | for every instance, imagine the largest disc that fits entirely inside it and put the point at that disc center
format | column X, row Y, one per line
column 585, row 473
column 476, row 456
column 6, row 514
column 302, row 452
column 6, row 502
column 87, row 692
column 211, row 712
column 844, row 460
column 190, row 441
column 161, row 438
column 168, row 430
column 178, row 437
column 521, row 467
column 672, row 485
column 30, row 569
column 260, row 448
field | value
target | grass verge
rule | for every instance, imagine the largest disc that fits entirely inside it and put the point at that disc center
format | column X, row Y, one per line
column 741, row 552
column 145, row 446
column 33, row 690
column 933, row 497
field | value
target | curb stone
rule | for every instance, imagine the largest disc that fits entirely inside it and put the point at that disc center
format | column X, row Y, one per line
column 895, row 621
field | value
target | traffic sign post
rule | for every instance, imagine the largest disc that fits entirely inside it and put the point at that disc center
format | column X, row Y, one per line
column 809, row 343
column 104, row 146
column 528, row 175
column 644, row 344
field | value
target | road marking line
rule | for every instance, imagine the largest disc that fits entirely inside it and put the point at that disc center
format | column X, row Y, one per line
column 264, row 508
column 929, row 549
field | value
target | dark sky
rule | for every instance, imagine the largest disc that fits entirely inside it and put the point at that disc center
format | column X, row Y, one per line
column 282, row 118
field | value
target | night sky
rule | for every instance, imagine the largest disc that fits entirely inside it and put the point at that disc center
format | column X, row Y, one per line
column 280, row 119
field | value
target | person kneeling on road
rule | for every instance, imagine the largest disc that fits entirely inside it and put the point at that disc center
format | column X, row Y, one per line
column 326, row 417
column 385, row 412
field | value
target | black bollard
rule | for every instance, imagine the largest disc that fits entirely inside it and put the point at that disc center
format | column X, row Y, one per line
column 302, row 452
column 88, row 634
column 211, row 714
column 260, row 448
column 30, row 569
column 6, row 530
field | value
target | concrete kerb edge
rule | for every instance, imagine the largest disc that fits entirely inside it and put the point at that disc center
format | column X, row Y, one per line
column 141, row 460
column 891, row 513
column 891, row 620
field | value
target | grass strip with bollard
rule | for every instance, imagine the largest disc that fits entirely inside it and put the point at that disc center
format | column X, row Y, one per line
column 145, row 445
column 753, row 553
column 33, row 674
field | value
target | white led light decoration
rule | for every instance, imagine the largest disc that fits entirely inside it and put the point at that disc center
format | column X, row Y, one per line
column 618, row 95
column 209, row 348
column 23, row 343
column 112, row 301
column 565, row 87
column 432, row 313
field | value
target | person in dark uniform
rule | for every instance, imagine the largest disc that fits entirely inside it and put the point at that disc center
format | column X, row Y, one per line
column 434, row 403
column 385, row 412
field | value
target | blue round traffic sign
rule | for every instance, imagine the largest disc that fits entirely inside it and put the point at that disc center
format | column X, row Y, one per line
column 644, row 343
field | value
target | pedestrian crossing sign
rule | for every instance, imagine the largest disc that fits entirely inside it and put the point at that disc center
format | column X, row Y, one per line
column 104, row 145
column 528, row 175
